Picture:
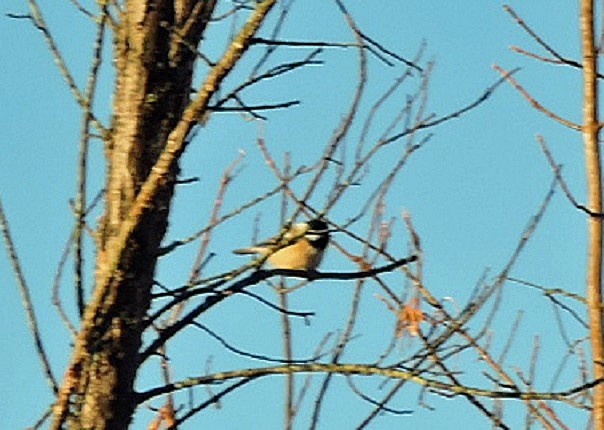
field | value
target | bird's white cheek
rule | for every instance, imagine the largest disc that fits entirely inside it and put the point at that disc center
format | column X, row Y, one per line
column 313, row 237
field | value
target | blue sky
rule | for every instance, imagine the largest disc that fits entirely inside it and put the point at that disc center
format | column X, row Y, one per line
column 470, row 190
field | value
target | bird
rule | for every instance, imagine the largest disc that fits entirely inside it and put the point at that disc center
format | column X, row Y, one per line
column 301, row 247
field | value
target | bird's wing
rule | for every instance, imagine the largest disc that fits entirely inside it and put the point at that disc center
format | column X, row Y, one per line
column 297, row 230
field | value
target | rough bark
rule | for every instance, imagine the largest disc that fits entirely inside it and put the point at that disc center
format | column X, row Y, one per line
column 151, row 93
column 153, row 115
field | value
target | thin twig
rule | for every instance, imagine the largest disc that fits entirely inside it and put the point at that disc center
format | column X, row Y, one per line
column 533, row 102
column 28, row 306
column 558, row 58
column 345, row 124
column 248, row 354
column 556, row 168
column 253, row 279
column 37, row 18
column 80, row 200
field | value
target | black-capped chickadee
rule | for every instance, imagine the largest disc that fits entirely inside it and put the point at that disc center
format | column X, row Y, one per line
column 303, row 246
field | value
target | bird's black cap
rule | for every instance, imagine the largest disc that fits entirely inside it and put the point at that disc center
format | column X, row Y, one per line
column 318, row 225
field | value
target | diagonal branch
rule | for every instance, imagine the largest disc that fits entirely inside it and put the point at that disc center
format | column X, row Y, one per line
column 38, row 19
column 558, row 58
column 486, row 94
column 346, row 123
column 556, row 168
column 26, row 298
column 533, row 102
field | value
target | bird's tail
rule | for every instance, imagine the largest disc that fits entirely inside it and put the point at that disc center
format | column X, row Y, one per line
column 249, row 250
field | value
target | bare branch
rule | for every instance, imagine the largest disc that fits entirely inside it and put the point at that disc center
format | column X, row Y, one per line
column 558, row 58
column 345, row 124
column 37, row 18
column 486, row 94
column 364, row 370
column 80, row 200
column 533, row 101
column 28, row 306
column 556, row 168
column 252, row 355
column 254, row 279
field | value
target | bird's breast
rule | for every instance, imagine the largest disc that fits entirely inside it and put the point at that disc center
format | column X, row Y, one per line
column 299, row 256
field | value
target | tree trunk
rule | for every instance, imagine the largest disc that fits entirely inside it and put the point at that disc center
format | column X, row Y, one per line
column 155, row 52
column 591, row 128
column 153, row 84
